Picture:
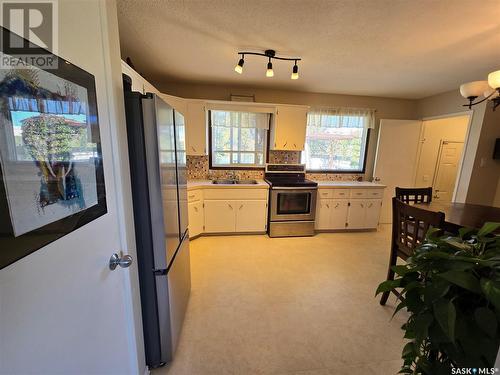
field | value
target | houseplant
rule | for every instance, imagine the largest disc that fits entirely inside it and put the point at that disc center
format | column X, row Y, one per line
column 450, row 288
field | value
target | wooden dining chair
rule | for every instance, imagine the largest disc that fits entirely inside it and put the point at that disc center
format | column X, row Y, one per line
column 414, row 195
column 409, row 227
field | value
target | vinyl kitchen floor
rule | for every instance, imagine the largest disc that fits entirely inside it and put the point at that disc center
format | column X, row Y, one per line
column 301, row 306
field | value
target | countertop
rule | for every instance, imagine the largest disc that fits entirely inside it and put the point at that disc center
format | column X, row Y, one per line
column 205, row 184
column 349, row 184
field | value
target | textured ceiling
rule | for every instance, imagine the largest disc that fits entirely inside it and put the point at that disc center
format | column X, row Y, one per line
column 392, row 48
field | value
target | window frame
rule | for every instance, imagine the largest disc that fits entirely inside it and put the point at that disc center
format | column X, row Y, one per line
column 236, row 167
column 341, row 171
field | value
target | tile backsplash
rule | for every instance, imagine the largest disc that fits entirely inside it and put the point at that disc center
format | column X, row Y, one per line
column 197, row 169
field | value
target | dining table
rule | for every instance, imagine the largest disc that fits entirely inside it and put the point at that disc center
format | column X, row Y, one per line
column 458, row 215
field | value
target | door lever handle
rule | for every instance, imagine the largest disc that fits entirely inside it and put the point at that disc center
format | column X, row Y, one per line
column 121, row 260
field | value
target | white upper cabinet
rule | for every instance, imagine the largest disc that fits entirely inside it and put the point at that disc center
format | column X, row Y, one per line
column 288, row 131
column 179, row 104
column 196, row 127
column 139, row 83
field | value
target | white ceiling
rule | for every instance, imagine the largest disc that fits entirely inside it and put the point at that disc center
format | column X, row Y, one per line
column 392, row 48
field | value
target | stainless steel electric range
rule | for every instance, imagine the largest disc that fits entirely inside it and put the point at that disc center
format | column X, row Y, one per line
column 292, row 200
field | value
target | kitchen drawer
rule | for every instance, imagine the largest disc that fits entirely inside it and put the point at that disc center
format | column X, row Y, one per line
column 238, row 193
column 194, row 195
column 367, row 193
column 340, row 193
column 325, row 193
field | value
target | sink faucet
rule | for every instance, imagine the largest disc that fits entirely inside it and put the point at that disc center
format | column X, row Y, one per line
column 233, row 175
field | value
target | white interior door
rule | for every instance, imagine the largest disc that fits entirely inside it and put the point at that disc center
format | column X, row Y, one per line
column 395, row 163
column 62, row 310
column 446, row 170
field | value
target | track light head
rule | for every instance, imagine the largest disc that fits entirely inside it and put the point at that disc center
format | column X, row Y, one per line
column 269, row 71
column 295, row 71
column 239, row 67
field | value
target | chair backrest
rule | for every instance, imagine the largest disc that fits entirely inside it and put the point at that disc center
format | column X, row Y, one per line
column 414, row 195
column 410, row 225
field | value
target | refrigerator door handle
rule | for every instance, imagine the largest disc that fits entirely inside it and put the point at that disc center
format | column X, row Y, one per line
column 160, row 272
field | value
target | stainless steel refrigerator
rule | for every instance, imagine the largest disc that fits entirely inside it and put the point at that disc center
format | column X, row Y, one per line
column 157, row 156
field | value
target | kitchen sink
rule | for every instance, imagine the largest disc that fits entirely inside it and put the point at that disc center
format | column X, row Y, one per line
column 247, row 182
column 223, row 182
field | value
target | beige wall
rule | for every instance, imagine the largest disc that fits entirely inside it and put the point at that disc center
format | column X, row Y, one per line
column 486, row 170
column 451, row 129
column 451, row 103
column 387, row 108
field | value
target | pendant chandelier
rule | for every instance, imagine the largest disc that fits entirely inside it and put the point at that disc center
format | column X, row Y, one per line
column 490, row 89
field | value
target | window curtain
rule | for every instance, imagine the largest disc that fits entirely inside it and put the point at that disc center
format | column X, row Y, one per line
column 342, row 118
column 240, row 119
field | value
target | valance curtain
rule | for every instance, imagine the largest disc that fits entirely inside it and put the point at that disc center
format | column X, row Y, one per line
column 341, row 118
column 240, row 119
column 58, row 107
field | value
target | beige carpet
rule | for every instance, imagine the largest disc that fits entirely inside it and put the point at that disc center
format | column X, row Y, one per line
column 289, row 306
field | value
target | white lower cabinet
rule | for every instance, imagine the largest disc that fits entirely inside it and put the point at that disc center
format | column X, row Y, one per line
column 196, row 218
column 323, row 214
column 372, row 217
column 339, row 213
column 364, row 213
column 331, row 214
column 220, row 216
column 251, row 216
column 223, row 216
column 353, row 213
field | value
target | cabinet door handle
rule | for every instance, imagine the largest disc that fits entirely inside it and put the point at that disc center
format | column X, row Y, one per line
column 362, row 205
column 327, row 205
column 370, row 205
column 193, row 148
column 337, row 205
column 240, row 207
column 196, row 209
column 231, row 207
column 285, row 144
column 294, row 145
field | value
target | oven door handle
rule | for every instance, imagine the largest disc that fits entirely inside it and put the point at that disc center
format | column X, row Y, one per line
column 295, row 188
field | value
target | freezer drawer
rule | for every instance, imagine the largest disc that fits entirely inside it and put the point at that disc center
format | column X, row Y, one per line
column 179, row 288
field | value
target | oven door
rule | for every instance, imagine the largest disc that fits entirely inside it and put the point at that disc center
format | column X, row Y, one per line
column 293, row 203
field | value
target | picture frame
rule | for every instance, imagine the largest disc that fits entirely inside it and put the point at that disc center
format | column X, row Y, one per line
column 51, row 169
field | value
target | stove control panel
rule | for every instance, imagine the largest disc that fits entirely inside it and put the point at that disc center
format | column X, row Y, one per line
column 285, row 168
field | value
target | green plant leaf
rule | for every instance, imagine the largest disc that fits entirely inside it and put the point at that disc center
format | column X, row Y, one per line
column 491, row 290
column 401, row 270
column 463, row 279
column 446, row 315
column 457, row 244
column 437, row 289
column 464, row 232
column 408, row 350
column 488, row 228
column 486, row 320
column 387, row 286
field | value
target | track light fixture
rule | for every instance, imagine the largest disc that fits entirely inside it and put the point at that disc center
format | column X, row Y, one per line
column 270, row 54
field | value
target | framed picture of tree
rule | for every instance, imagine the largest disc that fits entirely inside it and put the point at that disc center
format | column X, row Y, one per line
column 51, row 172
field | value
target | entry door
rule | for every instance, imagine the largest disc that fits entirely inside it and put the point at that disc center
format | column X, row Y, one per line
column 62, row 310
column 395, row 163
column 446, row 170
